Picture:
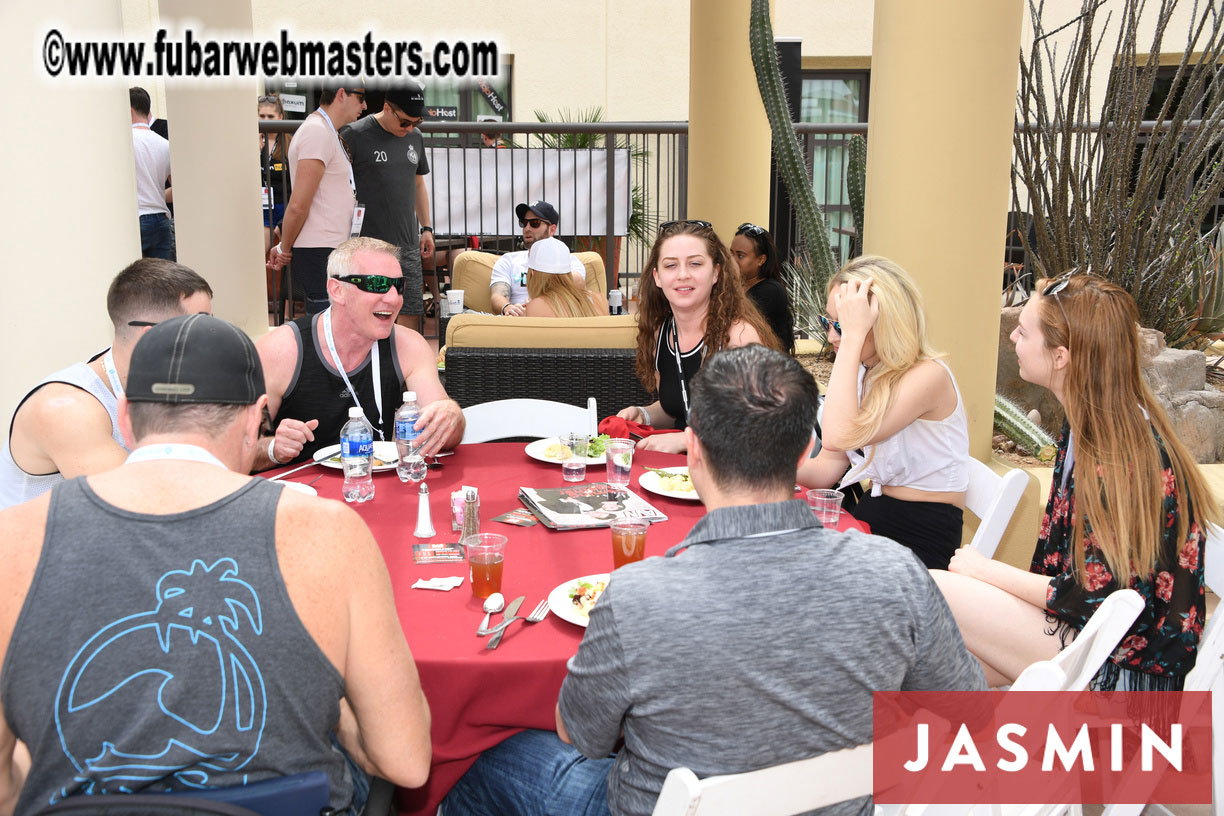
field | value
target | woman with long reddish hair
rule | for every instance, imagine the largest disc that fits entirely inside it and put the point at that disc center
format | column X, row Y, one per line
column 691, row 306
column 1137, row 519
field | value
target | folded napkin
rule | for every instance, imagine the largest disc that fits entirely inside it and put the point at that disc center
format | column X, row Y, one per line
column 618, row 428
column 444, row 584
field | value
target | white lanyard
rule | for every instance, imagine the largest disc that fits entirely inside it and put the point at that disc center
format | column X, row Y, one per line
column 675, row 336
column 108, row 362
column 327, row 119
column 374, row 370
column 174, row 450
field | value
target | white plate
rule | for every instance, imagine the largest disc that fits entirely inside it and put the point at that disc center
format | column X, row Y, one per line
column 536, row 451
column 654, row 483
column 561, row 605
column 301, row 487
column 385, row 451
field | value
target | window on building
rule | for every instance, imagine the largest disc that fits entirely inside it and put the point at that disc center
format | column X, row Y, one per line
column 833, row 97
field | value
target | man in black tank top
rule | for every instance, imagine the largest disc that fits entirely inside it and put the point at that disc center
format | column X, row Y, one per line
column 222, row 629
column 310, row 395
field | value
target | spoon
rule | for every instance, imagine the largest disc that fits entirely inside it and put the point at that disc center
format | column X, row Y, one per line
column 494, row 603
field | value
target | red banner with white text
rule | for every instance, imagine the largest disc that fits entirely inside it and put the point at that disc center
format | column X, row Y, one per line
column 1037, row 747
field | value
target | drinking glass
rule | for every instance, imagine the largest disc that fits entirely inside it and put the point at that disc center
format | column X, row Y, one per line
column 573, row 468
column 486, row 554
column 827, row 505
column 619, row 453
column 628, row 542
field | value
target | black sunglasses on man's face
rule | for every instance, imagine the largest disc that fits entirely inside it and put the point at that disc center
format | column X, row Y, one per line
column 534, row 222
column 374, row 284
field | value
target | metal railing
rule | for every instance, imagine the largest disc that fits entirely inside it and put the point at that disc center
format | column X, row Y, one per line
column 656, row 157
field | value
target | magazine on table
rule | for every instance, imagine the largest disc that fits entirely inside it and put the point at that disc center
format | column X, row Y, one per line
column 587, row 505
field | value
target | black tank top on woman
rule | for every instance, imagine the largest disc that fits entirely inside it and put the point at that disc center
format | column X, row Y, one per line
column 317, row 391
column 671, row 398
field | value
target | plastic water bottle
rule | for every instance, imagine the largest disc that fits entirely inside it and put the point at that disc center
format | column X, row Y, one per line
column 357, row 456
column 614, row 301
column 411, row 466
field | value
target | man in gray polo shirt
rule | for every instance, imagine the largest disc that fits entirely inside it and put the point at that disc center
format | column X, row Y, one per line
column 757, row 640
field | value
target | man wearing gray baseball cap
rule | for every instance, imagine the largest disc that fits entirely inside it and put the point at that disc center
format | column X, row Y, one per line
column 223, row 629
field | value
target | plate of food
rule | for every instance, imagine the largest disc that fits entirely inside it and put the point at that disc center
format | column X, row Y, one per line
column 572, row 601
column 551, row 450
column 386, row 457
column 673, row 482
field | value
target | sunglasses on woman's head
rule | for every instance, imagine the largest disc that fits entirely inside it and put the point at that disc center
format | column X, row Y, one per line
column 827, row 324
column 1055, row 286
column 750, row 229
column 694, row 222
column 374, row 284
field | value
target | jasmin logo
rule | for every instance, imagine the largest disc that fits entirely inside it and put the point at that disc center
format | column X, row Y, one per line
column 1041, row 748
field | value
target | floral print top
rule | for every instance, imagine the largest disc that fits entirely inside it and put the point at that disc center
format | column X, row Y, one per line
column 1163, row 641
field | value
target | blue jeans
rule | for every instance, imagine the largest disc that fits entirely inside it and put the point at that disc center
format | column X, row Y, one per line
column 532, row 774
column 156, row 239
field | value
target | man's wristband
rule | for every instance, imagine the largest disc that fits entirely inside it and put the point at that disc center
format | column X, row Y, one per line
column 503, row 311
column 272, row 456
column 425, row 229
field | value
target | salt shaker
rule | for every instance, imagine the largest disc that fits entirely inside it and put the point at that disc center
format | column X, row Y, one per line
column 424, row 527
column 471, row 515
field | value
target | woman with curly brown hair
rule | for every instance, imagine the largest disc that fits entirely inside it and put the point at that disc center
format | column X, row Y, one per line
column 1136, row 520
column 691, row 306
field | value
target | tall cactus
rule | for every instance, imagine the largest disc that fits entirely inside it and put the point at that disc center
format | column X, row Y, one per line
column 1013, row 422
column 786, row 146
column 856, row 183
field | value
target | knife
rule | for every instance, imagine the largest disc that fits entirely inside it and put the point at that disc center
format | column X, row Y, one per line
column 510, row 612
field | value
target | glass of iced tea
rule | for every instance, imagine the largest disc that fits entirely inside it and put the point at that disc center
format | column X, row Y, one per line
column 486, row 554
column 628, row 542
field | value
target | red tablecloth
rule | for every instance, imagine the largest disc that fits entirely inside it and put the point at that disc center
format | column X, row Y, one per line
column 478, row 697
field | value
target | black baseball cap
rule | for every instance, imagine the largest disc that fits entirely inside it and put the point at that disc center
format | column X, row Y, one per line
column 194, row 359
column 410, row 97
column 541, row 208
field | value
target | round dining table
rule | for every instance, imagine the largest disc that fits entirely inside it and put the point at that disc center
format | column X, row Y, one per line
column 479, row 697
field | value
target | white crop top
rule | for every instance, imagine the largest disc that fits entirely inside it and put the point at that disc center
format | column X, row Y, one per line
column 927, row 454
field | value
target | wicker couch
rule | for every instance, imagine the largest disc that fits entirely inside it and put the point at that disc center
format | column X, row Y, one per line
column 567, row 360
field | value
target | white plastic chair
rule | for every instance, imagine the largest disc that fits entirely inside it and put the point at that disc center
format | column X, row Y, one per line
column 1207, row 675
column 535, row 418
column 993, row 499
column 1073, row 668
column 781, row 790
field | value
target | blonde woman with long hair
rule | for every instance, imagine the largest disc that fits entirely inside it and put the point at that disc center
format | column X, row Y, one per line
column 1138, row 522
column 893, row 413
column 551, row 287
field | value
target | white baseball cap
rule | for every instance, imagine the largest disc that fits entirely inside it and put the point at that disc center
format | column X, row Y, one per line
column 549, row 255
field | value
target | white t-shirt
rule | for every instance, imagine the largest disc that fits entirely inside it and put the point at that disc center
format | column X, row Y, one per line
column 152, row 154
column 511, row 268
column 330, row 219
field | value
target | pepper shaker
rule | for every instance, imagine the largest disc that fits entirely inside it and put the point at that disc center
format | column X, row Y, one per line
column 471, row 515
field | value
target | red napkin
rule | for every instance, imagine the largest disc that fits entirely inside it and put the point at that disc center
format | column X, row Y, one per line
column 618, row 428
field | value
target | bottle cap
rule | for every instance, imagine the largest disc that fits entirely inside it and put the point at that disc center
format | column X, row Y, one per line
column 356, row 413
column 409, row 396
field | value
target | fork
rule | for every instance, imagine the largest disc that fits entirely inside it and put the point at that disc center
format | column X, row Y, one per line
column 538, row 614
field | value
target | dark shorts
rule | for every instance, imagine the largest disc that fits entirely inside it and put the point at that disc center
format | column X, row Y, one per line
column 156, row 236
column 309, row 267
column 410, row 263
column 931, row 529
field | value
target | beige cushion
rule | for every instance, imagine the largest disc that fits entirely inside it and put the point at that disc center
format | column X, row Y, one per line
column 495, row 331
column 472, row 271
